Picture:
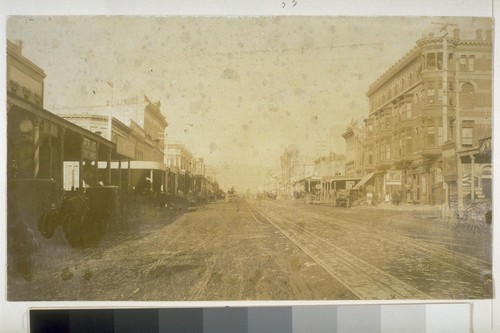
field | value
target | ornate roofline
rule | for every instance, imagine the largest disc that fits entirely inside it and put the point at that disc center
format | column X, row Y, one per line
column 416, row 51
column 401, row 63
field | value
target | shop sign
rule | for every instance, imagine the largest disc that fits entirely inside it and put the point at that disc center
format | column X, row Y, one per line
column 393, row 177
column 89, row 149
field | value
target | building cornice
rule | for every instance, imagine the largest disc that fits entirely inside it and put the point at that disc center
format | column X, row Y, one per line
column 408, row 58
column 15, row 51
column 411, row 55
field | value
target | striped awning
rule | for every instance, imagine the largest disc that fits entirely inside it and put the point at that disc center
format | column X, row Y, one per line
column 363, row 181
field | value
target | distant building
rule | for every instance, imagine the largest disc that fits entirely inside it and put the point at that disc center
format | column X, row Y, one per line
column 439, row 92
column 291, row 168
column 199, row 166
column 355, row 159
column 182, row 162
column 210, row 173
column 331, row 165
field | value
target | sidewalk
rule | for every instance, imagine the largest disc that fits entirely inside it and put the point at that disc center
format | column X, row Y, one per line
column 428, row 210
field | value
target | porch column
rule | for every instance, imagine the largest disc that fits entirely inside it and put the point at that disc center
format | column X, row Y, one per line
column 50, row 151
column 80, row 165
column 151, row 179
column 96, row 166
column 62, row 131
column 128, row 175
column 163, row 178
column 36, row 149
column 120, row 172
column 472, row 176
column 108, row 168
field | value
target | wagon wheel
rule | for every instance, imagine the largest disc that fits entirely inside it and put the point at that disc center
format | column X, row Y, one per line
column 73, row 230
column 48, row 222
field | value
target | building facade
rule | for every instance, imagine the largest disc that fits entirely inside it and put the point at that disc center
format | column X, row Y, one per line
column 439, row 92
column 182, row 162
column 137, row 127
column 355, row 162
column 331, row 165
column 38, row 141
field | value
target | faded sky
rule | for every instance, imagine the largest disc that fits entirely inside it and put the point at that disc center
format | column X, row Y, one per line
column 234, row 90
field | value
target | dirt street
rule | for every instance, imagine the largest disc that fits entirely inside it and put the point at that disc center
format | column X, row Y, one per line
column 220, row 252
column 268, row 250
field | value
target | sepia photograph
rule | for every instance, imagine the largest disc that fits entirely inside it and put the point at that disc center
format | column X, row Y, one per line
column 271, row 158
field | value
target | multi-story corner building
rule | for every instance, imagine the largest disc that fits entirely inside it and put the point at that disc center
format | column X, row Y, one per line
column 440, row 91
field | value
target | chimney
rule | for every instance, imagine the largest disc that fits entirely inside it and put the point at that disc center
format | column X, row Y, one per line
column 489, row 36
column 479, row 34
column 456, row 33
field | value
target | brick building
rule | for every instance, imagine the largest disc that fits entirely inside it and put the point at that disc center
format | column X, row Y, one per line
column 438, row 93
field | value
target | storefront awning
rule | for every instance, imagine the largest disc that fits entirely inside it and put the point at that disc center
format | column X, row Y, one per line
column 135, row 165
column 363, row 181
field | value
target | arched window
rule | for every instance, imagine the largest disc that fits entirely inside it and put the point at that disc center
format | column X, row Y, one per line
column 467, row 96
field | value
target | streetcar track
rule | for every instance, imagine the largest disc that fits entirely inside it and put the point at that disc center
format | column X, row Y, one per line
column 475, row 263
column 356, row 275
column 431, row 241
